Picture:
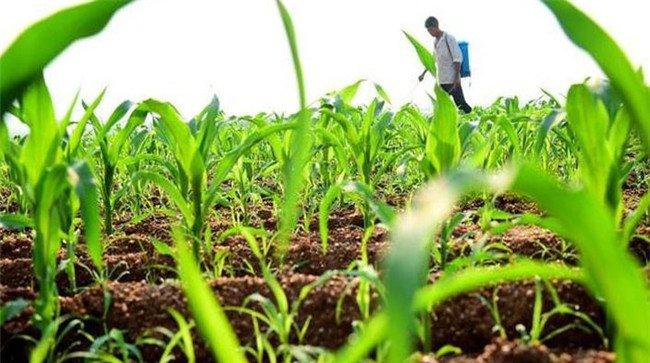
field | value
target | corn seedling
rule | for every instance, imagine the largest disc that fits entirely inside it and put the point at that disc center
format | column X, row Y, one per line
column 188, row 190
column 110, row 147
column 49, row 181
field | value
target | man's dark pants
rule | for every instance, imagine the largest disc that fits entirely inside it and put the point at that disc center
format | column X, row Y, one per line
column 459, row 97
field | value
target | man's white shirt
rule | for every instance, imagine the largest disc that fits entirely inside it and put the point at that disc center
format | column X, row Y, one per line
column 446, row 57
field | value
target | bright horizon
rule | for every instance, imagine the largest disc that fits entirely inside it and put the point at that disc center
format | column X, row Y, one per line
column 238, row 50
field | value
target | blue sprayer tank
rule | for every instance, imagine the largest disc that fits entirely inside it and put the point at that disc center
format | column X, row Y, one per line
column 465, row 70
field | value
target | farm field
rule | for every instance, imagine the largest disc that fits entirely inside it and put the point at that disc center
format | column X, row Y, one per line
column 341, row 233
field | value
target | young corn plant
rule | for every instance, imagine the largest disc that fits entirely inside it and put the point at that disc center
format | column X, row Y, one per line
column 71, row 148
column 359, row 144
column 110, row 148
column 301, row 143
column 278, row 314
column 359, row 190
column 602, row 140
column 538, row 334
column 442, row 149
column 51, row 186
column 364, row 135
column 44, row 177
column 10, row 153
column 189, row 189
column 440, row 140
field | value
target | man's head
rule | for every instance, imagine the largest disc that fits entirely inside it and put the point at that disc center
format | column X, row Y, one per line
column 433, row 26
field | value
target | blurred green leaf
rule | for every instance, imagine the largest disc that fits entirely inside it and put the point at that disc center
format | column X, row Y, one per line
column 208, row 314
column 24, row 60
column 300, row 145
column 41, row 148
column 589, row 224
column 15, row 221
column 82, row 180
column 586, row 34
column 443, row 149
column 12, row 309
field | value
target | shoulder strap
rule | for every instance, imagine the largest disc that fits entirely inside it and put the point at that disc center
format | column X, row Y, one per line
column 451, row 55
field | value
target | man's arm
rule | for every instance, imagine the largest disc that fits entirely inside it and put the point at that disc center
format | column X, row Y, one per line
column 457, row 66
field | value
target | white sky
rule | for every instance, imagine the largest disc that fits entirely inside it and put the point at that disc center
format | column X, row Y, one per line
column 184, row 51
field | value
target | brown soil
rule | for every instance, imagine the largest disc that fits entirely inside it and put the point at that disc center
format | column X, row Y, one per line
column 465, row 321
column 504, row 351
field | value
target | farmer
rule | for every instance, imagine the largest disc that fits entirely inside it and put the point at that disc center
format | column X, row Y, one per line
column 449, row 59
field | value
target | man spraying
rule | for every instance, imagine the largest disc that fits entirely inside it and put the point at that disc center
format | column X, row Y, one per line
column 449, row 59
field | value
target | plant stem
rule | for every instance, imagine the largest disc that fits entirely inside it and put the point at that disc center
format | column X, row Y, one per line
column 109, row 172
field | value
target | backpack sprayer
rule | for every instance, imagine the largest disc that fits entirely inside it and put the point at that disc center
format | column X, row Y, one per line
column 465, row 70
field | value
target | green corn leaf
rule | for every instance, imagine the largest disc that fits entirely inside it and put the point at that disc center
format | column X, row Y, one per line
column 24, row 60
column 369, row 118
column 208, row 314
column 226, row 164
column 208, row 131
column 5, row 144
column 330, row 197
column 117, row 144
column 589, row 121
column 15, row 221
column 470, row 279
column 82, row 180
column 426, row 57
column 45, row 344
column 41, row 148
column 443, row 143
column 385, row 213
column 358, row 349
column 274, row 140
column 77, row 134
column 633, row 220
column 406, row 264
column 301, row 144
column 170, row 189
column 330, row 140
column 382, row 93
column 291, row 38
column 618, row 135
column 550, row 121
column 408, row 260
column 50, row 187
column 347, row 93
column 119, row 112
column 506, row 125
column 586, row 34
column 253, row 138
column 587, row 222
column 12, row 309
column 350, row 129
column 184, row 145
column 184, row 329
column 63, row 124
